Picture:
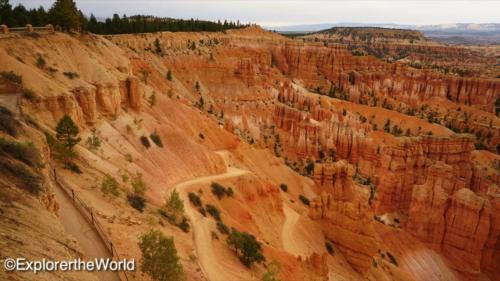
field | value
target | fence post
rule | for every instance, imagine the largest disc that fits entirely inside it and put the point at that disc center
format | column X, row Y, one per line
column 29, row 28
column 4, row 29
column 50, row 27
column 92, row 216
column 111, row 246
column 73, row 194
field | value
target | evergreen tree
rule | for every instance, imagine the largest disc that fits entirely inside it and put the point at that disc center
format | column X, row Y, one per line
column 6, row 16
column 65, row 14
column 67, row 132
column 159, row 257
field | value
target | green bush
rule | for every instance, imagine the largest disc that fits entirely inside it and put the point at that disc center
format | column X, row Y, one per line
column 202, row 211
column 159, row 257
column 29, row 94
column 329, row 248
column 304, row 200
column 24, row 152
column 169, row 75
column 8, row 124
column 213, row 211
column 71, row 75
column 246, row 247
column 156, row 139
column 218, row 190
column 73, row 167
column 392, row 259
column 145, row 141
column 93, row 141
column 174, row 208
column 184, row 225
column 12, row 77
column 222, row 228
column 136, row 201
column 284, row 187
column 109, row 186
column 194, row 199
column 40, row 62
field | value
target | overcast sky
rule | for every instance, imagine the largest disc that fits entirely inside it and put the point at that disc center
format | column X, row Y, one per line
column 292, row 12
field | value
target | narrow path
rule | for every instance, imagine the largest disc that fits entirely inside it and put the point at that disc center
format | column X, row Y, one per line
column 210, row 265
column 76, row 225
column 289, row 242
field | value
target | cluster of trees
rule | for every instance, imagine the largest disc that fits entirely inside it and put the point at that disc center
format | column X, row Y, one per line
column 64, row 13
column 142, row 24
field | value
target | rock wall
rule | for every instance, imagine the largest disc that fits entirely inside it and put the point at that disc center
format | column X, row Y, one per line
column 345, row 215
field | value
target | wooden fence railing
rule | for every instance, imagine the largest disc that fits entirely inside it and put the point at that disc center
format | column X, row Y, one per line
column 90, row 216
column 28, row 28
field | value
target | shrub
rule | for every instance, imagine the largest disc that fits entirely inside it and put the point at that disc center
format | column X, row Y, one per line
column 329, row 248
column 273, row 269
column 194, row 199
column 246, row 247
column 12, row 77
column 93, row 141
column 184, row 225
column 156, row 139
column 8, row 124
column 392, row 259
column 29, row 94
column 169, row 75
column 174, row 208
column 218, row 190
column 136, row 201
column 152, row 100
column 310, row 167
column 138, row 185
column 284, row 187
column 40, row 62
column 24, row 152
column 71, row 75
column 128, row 157
column 202, row 211
column 159, row 257
column 109, row 186
column 73, row 167
column 304, row 200
column 213, row 211
column 214, row 235
column 229, row 192
column 31, row 181
column 480, row 146
column 145, row 141
column 222, row 228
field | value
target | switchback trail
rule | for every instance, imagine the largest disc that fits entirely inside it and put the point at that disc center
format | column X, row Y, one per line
column 210, row 265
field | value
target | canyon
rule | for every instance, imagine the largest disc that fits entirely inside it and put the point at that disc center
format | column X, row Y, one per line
column 391, row 170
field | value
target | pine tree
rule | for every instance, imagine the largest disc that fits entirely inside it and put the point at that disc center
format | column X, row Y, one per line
column 65, row 14
column 159, row 257
column 67, row 132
